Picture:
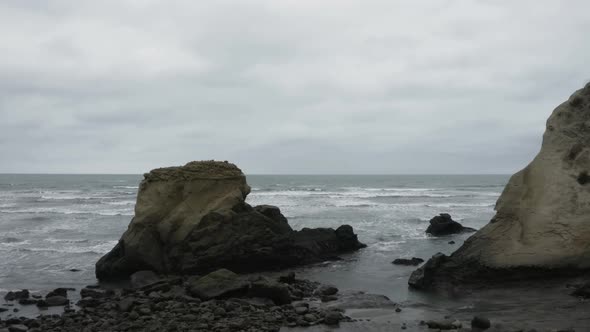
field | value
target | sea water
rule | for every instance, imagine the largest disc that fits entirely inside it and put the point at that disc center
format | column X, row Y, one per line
column 53, row 228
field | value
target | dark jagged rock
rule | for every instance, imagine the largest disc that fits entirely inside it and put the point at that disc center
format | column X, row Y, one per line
column 414, row 261
column 443, row 224
column 194, row 219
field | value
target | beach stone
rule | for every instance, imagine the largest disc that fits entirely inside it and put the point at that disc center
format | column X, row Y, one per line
column 310, row 318
column 443, row 224
column 301, row 310
column 441, row 325
column 17, row 295
column 55, row 301
column 92, row 292
column 333, row 318
column 328, row 290
column 58, row 292
column 414, row 261
column 140, row 279
column 267, row 288
column 221, row 283
column 126, row 304
column 18, row 328
column 480, row 323
column 27, row 301
column 194, row 219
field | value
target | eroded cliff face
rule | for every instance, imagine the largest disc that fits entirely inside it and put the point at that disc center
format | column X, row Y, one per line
column 543, row 215
column 194, row 218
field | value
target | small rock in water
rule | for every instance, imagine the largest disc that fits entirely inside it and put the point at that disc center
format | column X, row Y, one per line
column 481, row 323
column 398, row 309
column 451, row 242
column 75, row 270
column 414, row 261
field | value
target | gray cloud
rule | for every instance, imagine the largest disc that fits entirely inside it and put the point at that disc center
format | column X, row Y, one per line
column 285, row 87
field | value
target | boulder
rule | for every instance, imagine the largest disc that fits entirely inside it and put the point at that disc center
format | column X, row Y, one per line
column 443, row 224
column 408, row 262
column 194, row 219
column 265, row 288
column 541, row 224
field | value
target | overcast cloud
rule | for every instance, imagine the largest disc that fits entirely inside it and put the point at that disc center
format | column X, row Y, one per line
column 285, row 86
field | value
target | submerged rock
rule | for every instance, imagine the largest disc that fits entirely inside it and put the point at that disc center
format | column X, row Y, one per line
column 194, row 219
column 443, row 224
column 541, row 225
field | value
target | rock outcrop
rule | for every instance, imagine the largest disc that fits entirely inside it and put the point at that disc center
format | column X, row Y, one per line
column 443, row 224
column 542, row 223
column 194, row 219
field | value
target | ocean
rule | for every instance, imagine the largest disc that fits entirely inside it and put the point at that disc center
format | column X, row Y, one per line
column 53, row 228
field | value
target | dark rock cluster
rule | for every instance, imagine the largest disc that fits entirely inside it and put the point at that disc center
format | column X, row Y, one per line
column 220, row 301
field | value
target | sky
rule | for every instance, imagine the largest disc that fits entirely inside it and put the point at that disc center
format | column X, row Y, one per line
column 285, row 87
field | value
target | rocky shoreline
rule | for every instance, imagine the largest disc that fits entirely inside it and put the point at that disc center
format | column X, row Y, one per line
column 224, row 301
column 220, row 301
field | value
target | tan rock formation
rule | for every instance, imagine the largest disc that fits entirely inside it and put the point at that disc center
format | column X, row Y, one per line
column 543, row 215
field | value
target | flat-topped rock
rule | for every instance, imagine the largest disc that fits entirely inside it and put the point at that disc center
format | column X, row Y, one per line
column 194, row 219
column 541, row 225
